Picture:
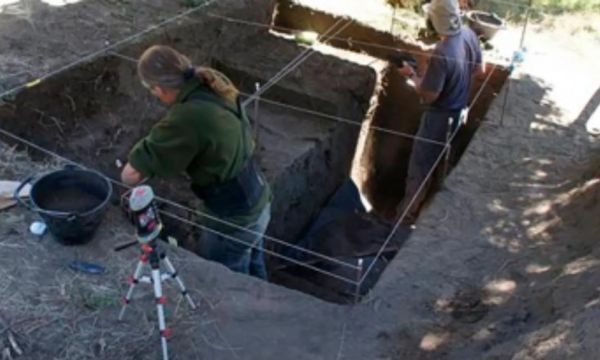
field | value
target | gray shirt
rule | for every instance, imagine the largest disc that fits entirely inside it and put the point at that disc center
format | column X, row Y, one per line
column 451, row 69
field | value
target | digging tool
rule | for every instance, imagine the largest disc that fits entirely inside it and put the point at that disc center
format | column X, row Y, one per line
column 148, row 230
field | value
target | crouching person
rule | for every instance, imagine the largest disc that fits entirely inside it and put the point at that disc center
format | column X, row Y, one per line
column 206, row 135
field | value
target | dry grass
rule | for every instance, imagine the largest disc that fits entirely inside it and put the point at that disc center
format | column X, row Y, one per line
column 584, row 25
column 16, row 164
column 49, row 309
column 515, row 10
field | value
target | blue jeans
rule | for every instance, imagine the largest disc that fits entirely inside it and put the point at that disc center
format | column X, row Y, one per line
column 434, row 126
column 244, row 255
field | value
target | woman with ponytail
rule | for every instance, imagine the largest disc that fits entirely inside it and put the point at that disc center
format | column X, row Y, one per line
column 207, row 136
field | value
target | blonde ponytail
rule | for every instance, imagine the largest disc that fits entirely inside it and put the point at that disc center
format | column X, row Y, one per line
column 218, row 82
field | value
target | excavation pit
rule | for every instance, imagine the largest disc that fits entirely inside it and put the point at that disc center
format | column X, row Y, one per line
column 94, row 113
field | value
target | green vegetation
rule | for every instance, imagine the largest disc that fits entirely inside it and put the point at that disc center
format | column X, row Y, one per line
column 515, row 10
column 407, row 4
column 568, row 5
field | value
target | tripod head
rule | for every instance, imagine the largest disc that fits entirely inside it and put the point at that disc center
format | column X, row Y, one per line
column 145, row 214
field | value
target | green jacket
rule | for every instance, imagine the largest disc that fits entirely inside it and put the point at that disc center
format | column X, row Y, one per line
column 201, row 139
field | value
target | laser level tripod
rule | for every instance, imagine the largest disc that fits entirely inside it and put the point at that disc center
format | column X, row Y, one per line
column 149, row 227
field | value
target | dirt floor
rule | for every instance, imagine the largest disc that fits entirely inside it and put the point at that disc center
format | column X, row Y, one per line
column 504, row 263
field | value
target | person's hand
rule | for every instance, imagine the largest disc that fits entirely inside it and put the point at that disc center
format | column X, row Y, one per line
column 407, row 71
column 130, row 175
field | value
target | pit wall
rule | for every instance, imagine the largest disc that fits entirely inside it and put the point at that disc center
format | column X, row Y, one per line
column 358, row 37
column 382, row 160
column 382, row 165
column 322, row 83
column 95, row 113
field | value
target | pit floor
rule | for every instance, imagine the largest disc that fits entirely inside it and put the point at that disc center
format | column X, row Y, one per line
column 512, row 187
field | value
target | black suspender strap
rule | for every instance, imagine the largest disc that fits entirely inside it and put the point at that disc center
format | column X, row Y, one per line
column 239, row 195
column 239, row 113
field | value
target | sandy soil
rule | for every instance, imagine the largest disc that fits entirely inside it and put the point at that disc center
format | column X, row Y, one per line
column 507, row 261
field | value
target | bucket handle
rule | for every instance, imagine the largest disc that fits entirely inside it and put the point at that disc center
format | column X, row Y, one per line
column 28, row 204
column 18, row 190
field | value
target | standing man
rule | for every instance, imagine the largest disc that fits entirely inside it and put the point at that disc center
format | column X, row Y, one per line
column 444, row 88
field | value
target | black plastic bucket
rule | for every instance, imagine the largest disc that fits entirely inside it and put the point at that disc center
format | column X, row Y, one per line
column 72, row 202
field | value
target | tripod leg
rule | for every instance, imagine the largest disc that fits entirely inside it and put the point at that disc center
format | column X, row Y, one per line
column 160, row 302
column 174, row 275
column 133, row 281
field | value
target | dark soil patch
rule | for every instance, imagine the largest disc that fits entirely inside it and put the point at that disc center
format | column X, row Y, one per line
column 70, row 200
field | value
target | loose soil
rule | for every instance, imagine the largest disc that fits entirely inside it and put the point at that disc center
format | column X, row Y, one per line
column 70, row 200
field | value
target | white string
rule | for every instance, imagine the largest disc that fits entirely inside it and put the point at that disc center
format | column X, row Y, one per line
column 267, row 251
column 124, row 57
column 352, row 122
column 294, row 63
column 102, row 51
column 483, row 86
column 407, row 208
column 321, row 114
column 182, row 207
column 289, row 66
column 267, row 237
column 428, row 53
column 307, row 53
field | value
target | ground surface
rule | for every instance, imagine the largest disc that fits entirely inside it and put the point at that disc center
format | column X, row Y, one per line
column 53, row 312
column 503, row 265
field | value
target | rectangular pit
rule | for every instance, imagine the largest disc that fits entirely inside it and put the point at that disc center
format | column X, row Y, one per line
column 94, row 113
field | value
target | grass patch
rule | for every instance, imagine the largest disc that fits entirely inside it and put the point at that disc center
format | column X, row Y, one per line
column 515, row 10
column 568, row 5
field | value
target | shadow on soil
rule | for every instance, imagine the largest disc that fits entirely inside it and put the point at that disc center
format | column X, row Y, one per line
column 547, row 256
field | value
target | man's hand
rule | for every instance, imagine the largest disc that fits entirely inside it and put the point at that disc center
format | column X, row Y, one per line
column 130, row 175
column 427, row 97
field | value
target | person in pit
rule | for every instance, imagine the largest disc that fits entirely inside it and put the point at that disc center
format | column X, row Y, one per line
column 206, row 135
column 444, row 88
